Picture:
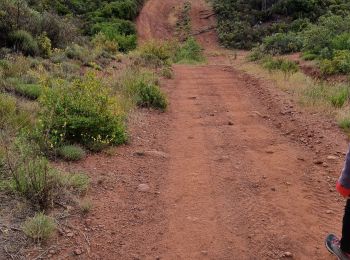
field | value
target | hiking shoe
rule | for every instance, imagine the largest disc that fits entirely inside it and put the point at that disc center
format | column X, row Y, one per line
column 333, row 246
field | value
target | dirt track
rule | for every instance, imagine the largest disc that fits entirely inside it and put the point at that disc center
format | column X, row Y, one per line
column 236, row 170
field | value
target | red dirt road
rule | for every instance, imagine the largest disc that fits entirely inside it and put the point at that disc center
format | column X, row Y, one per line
column 237, row 187
column 235, row 169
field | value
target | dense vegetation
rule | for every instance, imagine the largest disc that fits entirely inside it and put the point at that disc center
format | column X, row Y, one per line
column 318, row 28
column 70, row 74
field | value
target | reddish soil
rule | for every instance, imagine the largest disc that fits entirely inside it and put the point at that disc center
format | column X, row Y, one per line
column 235, row 170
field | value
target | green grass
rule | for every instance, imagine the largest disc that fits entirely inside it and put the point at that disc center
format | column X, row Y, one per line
column 190, row 52
column 30, row 91
column 85, row 206
column 71, row 152
column 39, row 228
column 77, row 181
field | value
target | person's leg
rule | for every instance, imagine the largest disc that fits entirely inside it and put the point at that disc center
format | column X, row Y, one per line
column 345, row 240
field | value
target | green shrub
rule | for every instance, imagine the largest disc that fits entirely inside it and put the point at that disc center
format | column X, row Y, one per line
column 286, row 66
column 339, row 97
column 339, row 64
column 257, row 53
column 282, row 43
column 31, row 91
column 24, row 42
column 101, row 41
column 40, row 227
column 156, row 53
column 36, row 180
column 114, row 27
column 78, row 52
column 344, row 123
column 189, row 52
column 77, row 181
column 15, row 66
column 126, row 43
column 167, row 72
column 71, row 153
column 309, row 56
column 151, row 96
column 45, row 46
column 83, row 112
column 11, row 117
column 85, row 206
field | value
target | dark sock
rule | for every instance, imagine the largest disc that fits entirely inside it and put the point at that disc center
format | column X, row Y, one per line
column 345, row 240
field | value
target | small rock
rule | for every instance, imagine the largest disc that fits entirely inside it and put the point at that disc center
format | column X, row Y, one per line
column 288, row 183
column 143, row 187
column 156, row 154
column 318, row 162
column 287, row 254
column 204, row 252
column 70, row 234
column 269, row 151
column 211, row 114
column 78, row 251
column 301, row 159
column 139, row 153
column 273, row 189
column 230, row 123
column 52, row 252
column 329, row 212
column 331, row 157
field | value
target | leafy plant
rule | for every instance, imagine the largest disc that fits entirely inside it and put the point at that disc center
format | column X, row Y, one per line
column 151, row 96
column 82, row 112
column 189, row 52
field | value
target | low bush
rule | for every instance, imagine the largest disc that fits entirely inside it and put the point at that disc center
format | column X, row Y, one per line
column 24, row 42
column 189, row 52
column 167, row 72
column 340, row 63
column 71, row 153
column 83, row 112
column 150, row 95
column 344, row 123
column 76, row 181
column 286, row 66
column 282, row 43
column 339, row 96
column 156, row 54
column 31, row 91
column 101, row 41
column 141, row 89
column 44, row 45
column 40, row 227
column 36, row 181
column 85, row 206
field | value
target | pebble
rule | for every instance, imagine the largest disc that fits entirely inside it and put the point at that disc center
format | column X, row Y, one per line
column 273, row 189
column 230, row 123
column 204, row 252
column 329, row 212
column 143, row 187
column 287, row 254
column 70, row 234
column 331, row 157
column 318, row 162
column 78, row 251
